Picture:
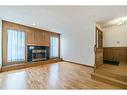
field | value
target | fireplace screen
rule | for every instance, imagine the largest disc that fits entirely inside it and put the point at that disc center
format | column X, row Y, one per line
column 38, row 53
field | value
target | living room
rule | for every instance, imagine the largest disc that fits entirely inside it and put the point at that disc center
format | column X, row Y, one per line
column 52, row 47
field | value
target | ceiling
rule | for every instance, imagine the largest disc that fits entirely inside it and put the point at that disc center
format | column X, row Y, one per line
column 60, row 18
column 113, row 22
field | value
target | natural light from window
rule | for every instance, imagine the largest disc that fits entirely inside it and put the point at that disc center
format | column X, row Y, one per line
column 16, row 46
column 54, row 47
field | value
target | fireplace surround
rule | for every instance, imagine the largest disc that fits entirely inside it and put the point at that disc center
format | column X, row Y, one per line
column 37, row 53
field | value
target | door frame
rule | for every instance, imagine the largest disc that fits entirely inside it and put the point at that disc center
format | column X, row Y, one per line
column 98, row 48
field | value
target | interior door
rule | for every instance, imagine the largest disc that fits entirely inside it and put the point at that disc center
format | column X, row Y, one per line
column 99, row 48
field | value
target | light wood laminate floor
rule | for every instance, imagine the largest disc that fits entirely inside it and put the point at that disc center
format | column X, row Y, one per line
column 120, row 69
column 60, row 75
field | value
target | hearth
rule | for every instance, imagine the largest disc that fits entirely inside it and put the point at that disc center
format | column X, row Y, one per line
column 38, row 53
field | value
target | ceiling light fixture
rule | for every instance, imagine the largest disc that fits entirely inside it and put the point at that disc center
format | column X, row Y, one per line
column 118, row 21
column 122, row 20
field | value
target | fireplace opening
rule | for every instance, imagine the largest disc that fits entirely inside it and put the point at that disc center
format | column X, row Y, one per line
column 38, row 53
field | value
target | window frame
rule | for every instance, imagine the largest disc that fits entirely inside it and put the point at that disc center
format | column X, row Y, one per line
column 5, row 26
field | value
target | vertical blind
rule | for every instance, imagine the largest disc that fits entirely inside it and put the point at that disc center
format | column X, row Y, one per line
column 15, row 46
column 53, row 47
column 0, row 43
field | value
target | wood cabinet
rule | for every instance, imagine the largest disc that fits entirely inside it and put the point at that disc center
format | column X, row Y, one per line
column 30, row 36
column 41, row 38
column 38, row 37
column 47, row 37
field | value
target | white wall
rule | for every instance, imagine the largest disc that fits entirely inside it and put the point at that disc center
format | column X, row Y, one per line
column 77, row 45
column 115, row 36
column 0, row 43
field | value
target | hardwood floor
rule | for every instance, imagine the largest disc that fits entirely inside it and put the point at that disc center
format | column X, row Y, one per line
column 60, row 75
column 112, row 74
column 120, row 69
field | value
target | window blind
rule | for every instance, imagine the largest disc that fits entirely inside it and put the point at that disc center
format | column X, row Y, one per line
column 0, row 43
column 15, row 46
column 53, row 47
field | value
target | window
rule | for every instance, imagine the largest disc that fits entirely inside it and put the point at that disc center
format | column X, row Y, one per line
column 0, row 43
column 15, row 46
column 53, row 47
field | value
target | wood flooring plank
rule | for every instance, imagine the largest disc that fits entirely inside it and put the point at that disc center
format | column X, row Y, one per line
column 60, row 75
